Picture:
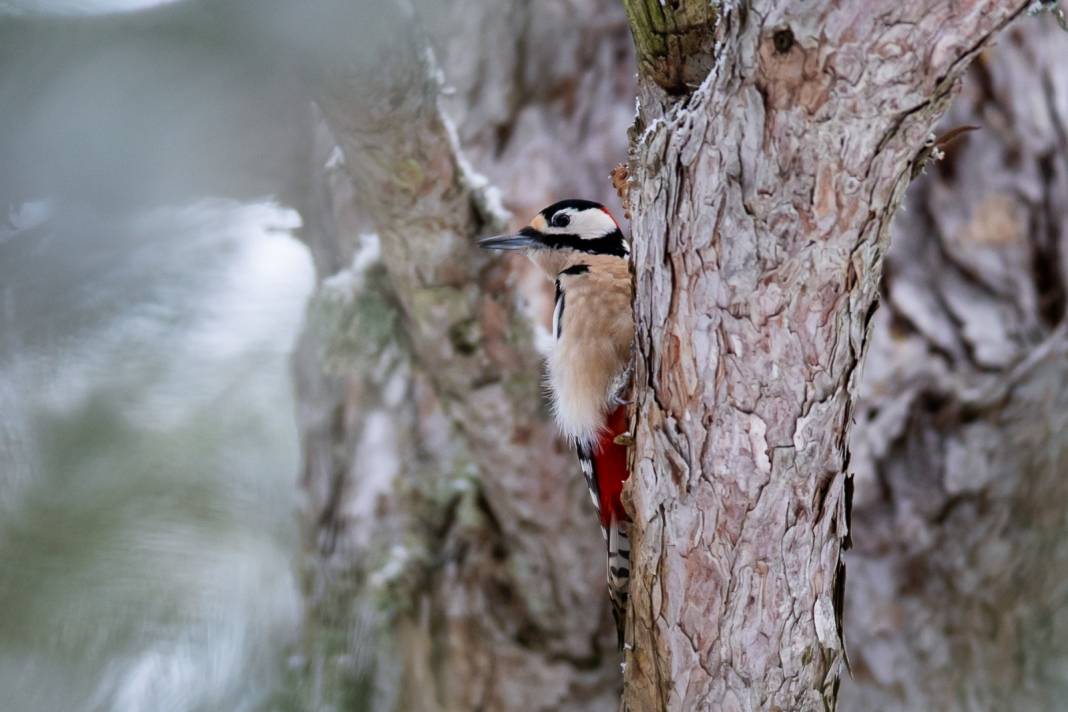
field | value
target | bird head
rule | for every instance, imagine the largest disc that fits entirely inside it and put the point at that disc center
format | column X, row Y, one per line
column 564, row 229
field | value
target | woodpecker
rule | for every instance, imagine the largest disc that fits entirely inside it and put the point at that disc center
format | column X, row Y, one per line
column 579, row 245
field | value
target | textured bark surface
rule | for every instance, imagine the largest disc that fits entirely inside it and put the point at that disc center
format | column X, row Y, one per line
column 456, row 562
column 959, row 575
column 761, row 209
column 437, row 580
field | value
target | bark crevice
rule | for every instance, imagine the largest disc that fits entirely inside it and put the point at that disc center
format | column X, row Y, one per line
column 754, row 344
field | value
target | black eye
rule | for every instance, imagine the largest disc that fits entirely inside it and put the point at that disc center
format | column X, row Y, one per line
column 561, row 220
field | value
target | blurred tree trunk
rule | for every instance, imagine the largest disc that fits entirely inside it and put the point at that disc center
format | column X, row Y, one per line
column 439, row 579
column 762, row 202
column 958, row 582
column 454, row 561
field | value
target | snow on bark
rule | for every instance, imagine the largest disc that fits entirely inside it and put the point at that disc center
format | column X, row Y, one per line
column 495, row 598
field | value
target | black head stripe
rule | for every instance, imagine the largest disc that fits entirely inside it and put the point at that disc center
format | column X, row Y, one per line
column 574, row 204
column 610, row 244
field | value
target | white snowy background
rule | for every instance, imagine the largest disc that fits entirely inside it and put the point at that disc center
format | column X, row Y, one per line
column 148, row 451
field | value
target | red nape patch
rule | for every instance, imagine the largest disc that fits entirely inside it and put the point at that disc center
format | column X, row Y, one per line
column 610, row 467
column 605, row 211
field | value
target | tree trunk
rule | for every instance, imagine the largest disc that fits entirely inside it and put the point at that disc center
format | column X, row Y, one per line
column 762, row 203
column 454, row 561
column 439, row 580
column 958, row 581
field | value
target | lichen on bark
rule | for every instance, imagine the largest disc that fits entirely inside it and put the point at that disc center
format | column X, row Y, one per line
column 480, row 537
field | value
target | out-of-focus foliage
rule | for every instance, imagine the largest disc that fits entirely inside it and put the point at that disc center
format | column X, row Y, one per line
column 150, row 292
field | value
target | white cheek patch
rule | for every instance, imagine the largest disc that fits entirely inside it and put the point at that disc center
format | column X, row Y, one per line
column 588, row 224
column 591, row 224
column 570, row 228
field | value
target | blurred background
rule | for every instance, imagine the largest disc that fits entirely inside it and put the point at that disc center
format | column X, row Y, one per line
column 163, row 170
column 271, row 432
column 152, row 290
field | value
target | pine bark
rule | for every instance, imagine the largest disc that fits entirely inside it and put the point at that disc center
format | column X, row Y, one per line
column 437, row 581
column 761, row 209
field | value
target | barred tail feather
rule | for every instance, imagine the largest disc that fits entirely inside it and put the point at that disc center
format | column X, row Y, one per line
column 619, row 573
column 585, row 458
column 604, row 467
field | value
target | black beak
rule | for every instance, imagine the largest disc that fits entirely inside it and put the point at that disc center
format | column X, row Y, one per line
column 526, row 239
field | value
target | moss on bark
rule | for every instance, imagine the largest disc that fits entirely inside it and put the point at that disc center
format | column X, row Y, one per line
column 673, row 40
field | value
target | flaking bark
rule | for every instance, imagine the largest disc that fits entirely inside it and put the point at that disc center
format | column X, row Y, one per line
column 762, row 208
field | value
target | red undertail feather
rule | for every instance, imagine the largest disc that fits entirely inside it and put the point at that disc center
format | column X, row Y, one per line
column 605, row 468
column 610, row 466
